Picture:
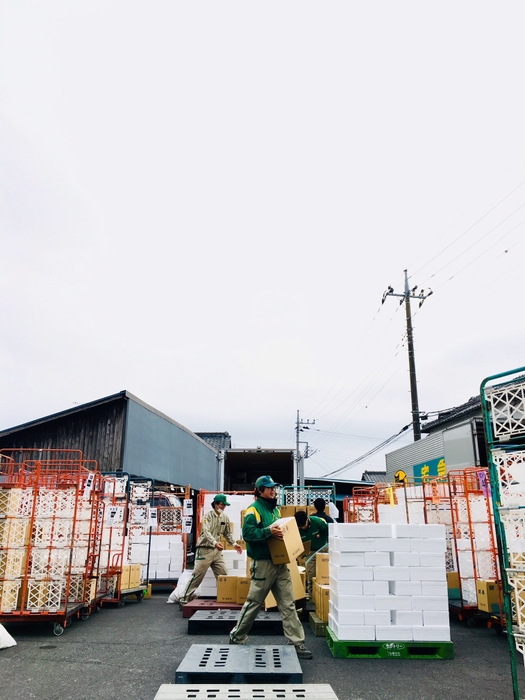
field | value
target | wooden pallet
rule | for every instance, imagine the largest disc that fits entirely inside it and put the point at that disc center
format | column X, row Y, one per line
column 207, row 604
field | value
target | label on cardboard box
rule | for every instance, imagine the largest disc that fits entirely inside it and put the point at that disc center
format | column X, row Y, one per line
column 227, row 589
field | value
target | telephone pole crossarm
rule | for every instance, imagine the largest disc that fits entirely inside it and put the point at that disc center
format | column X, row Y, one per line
column 406, row 297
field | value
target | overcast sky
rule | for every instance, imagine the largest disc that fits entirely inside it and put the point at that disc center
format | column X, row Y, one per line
column 203, row 202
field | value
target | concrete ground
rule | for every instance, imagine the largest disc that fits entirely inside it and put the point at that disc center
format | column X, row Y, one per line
column 129, row 652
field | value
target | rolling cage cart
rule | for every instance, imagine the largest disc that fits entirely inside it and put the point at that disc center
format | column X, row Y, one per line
column 126, row 539
column 360, row 506
column 48, row 536
column 475, row 548
column 169, row 542
column 503, row 406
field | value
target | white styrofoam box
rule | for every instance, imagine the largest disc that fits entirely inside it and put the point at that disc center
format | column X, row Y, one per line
column 393, row 602
column 139, row 538
column 360, row 530
column 348, row 558
column 434, row 602
column 431, row 634
column 423, row 545
column 351, row 573
column 345, row 587
column 153, row 558
column 433, row 588
column 163, row 561
column 175, row 566
column 352, row 544
column 173, row 574
column 394, row 634
column 391, row 573
column 375, row 588
column 432, row 559
column 351, row 633
column 161, row 572
column 436, row 618
column 347, row 617
column 404, row 558
column 174, row 539
column 391, row 514
column 466, row 565
column 433, row 531
column 392, row 545
column 405, row 588
column 427, row 573
column 404, row 618
column 377, row 559
column 407, row 530
column 463, row 543
column 355, row 602
column 378, row 617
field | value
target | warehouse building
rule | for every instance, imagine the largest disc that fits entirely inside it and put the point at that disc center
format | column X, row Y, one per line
column 122, row 433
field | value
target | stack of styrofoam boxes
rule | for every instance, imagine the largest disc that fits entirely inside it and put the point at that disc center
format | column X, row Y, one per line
column 166, row 557
column 388, row 582
column 236, row 563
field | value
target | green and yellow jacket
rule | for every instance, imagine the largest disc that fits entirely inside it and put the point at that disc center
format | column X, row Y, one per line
column 317, row 533
column 258, row 519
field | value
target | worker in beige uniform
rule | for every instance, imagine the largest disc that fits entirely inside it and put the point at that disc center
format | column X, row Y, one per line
column 209, row 547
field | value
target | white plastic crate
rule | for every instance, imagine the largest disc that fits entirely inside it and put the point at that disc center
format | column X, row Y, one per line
column 9, row 595
column 45, row 595
column 16, row 502
column 12, row 563
column 49, row 563
column 507, row 410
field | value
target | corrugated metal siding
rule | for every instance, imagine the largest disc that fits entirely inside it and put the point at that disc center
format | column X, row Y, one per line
column 96, row 431
column 159, row 448
column 417, row 452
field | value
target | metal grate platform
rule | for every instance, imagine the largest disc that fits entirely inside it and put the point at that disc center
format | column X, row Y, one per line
column 223, row 621
column 202, row 604
column 271, row 691
column 215, row 663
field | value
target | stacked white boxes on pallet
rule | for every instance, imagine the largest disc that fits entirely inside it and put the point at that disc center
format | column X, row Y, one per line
column 388, row 582
column 166, row 557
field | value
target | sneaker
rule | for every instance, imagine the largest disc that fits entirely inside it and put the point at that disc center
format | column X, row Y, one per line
column 236, row 641
column 303, row 652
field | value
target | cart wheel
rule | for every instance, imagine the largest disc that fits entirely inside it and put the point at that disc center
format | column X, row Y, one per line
column 84, row 616
column 140, row 596
column 120, row 604
column 58, row 629
column 472, row 622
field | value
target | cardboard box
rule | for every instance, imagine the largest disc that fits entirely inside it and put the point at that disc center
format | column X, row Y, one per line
column 298, row 587
column 290, row 547
column 124, row 577
column 454, row 591
column 488, row 596
column 243, row 586
column 227, row 589
column 135, row 571
column 322, row 573
column 323, row 599
column 289, row 511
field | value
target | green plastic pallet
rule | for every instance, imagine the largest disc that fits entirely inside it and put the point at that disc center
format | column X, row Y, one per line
column 388, row 650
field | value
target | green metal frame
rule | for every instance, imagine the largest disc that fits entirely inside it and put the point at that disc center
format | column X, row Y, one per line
column 493, row 443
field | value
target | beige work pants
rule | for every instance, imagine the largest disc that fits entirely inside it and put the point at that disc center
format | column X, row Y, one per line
column 276, row 578
column 205, row 557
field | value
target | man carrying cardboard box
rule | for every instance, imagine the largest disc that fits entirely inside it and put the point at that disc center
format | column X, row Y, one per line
column 259, row 527
column 315, row 531
column 209, row 547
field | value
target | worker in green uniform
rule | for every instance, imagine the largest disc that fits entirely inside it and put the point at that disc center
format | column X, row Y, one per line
column 209, row 547
column 259, row 526
column 315, row 531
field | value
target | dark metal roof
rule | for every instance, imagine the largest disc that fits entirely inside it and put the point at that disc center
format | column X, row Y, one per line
column 219, row 441
column 452, row 415
column 373, row 477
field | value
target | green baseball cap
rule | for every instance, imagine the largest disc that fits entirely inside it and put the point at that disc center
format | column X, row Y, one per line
column 221, row 498
column 265, row 482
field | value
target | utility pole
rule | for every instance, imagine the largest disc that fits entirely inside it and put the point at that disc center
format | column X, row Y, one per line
column 299, row 426
column 405, row 297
